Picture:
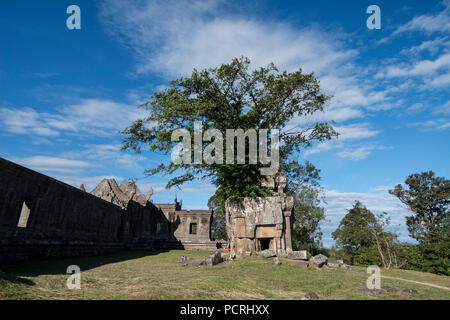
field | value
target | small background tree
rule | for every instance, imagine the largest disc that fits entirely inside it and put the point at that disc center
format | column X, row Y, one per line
column 428, row 197
column 364, row 238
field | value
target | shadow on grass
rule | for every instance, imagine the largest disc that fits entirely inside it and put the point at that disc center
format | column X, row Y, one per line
column 14, row 279
column 12, row 272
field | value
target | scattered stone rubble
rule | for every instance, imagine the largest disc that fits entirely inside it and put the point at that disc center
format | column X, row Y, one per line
column 383, row 289
column 310, row 296
column 215, row 258
column 304, row 258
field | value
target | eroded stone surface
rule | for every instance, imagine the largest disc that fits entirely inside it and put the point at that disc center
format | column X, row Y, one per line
column 310, row 296
column 299, row 255
column 215, row 258
column 257, row 224
column 333, row 263
column 318, row 260
column 267, row 253
column 63, row 221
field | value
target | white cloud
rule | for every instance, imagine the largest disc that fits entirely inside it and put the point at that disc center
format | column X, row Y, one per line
column 431, row 125
column 53, row 164
column 86, row 117
column 347, row 134
column 421, row 68
column 356, row 154
column 25, row 121
column 175, row 36
column 432, row 46
column 429, row 23
column 443, row 109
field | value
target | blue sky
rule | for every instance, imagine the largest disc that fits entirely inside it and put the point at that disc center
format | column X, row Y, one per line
column 65, row 94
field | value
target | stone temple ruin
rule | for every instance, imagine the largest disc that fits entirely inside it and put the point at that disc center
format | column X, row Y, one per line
column 41, row 217
column 190, row 227
column 257, row 224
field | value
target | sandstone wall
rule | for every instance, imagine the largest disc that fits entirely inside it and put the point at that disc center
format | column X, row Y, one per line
column 251, row 222
column 65, row 221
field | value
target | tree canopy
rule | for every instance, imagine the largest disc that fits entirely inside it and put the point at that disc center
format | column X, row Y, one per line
column 365, row 238
column 428, row 197
column 231, row 97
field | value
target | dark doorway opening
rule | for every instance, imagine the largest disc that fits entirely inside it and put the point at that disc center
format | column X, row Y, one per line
column 193, row 228
column 264, row 244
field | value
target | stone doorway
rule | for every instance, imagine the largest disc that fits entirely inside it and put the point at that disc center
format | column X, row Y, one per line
column 265, row 244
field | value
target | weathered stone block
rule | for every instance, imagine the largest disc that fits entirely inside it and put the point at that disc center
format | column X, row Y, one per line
column 267, row 253
column 333, row 263
column 215, row 258
column 299, row 255
column 346, row 267
column 195, row 263
column 318, row 260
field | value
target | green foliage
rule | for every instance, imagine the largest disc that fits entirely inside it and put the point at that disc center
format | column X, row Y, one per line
column 366, row 256
column 218, row 225
column 231, row 97
column 410, row 257
column 428, row 197
column 352, row 232
column 363, row 237
column 339, row 253
column 307, row 211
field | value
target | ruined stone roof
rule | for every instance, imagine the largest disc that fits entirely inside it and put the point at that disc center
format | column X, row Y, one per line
column 108, row 190
column 132, row 192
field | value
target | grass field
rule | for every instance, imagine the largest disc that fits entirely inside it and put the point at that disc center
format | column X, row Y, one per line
column 158, row 275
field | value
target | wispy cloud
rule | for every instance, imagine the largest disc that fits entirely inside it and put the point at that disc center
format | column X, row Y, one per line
column 358, row 153
column 175, row 36
column 347, row 134
column 429, row 23
column 53, row 164
column 85, row 117
column 431, row 125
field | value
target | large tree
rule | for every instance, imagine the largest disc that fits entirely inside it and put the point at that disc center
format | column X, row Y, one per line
column 428, row 197
column 230, row 97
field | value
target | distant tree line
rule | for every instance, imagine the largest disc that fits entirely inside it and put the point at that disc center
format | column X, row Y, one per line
column 363, row 238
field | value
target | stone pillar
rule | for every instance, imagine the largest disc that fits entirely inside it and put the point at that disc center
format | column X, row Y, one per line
column 288, row 234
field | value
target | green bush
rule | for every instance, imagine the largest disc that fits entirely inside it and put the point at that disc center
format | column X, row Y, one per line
column 366, row 256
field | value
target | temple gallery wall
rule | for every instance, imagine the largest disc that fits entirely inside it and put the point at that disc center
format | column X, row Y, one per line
column 41, row 217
